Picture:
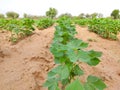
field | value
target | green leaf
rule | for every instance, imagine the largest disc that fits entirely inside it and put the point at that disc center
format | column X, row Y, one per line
column 89, row 86
column 94, row 83
column 65, row 81
column 57, row 50
column 75, row 85
column 76, row 44
column 58, row 39
column 89, row 57
column 92, row 78
column 83, row 56
column 77, row 70
column 59, row 60
column 51, row 74
column 83, row 45
column 51, row 82
column 64, row 74
column 93, row 62
column 54, row 87
column 95, row 53
column 62, row 71
column 72, row 55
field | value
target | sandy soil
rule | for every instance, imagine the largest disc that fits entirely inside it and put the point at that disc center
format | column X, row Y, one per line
column 24, row 66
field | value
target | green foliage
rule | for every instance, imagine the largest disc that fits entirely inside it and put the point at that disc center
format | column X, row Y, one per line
column 94, row 83
column 115, row 14
column 35, row 17
column 3, row 23
column 18, row 28
column 100, row 15
column 25, row 15
column 62, row 18
column 27, row 23
column 94, row 15
column 12, row 15
column 2, row 16
column 82, row 16
column 51, row 13
column 88, row 16
column 82, row 22
column 75, row 85
column 66, row 15
column 21, row 29
column 68, row 52
column 107, row 28
column 44, row 23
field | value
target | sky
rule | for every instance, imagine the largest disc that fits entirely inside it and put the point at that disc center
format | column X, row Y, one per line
column 75, row 7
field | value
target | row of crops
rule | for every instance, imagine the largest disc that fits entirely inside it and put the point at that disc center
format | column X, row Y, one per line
column 69, row 52
column 106, row 28
column 19, row 28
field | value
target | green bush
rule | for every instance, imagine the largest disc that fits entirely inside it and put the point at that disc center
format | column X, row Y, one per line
column 19, row 28
column 12, row 15
column 115, row 14
column 82, row 22
column 82, row 16
column 94, row 15
column 107, row 28
column 67, row 15
column 22, row 28
column 3, row 23
column 32, row 16
column 44, row 23
column 51, row 13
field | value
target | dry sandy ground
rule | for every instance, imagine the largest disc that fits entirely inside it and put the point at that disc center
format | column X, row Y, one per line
column 24, row 66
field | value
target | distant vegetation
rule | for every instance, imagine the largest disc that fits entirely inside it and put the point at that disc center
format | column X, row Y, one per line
column 115, row 14
column 12, row 15
column 43, row 23
column 2, row 16
column 51, row 13
column 67, row 15
column 107, row 27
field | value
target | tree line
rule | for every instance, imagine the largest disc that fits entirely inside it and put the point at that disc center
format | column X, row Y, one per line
column 52, row 13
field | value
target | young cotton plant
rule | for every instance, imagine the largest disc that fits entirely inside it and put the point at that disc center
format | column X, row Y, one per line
column 68, row 51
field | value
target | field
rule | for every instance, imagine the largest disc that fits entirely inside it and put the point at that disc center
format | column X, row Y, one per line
column 25, row 58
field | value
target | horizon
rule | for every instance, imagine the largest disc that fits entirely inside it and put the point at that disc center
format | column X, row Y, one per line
column 74, row 7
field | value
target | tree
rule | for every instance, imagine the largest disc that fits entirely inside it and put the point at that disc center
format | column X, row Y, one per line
column 52, row 12
column 2, row 16
column 68, row 15
column 88, row 16
column 94, row 15
column 25, row 15
column 82, row 15
column 119, row 16
column 100, row 15
column 12, row 14
column 115, row 14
